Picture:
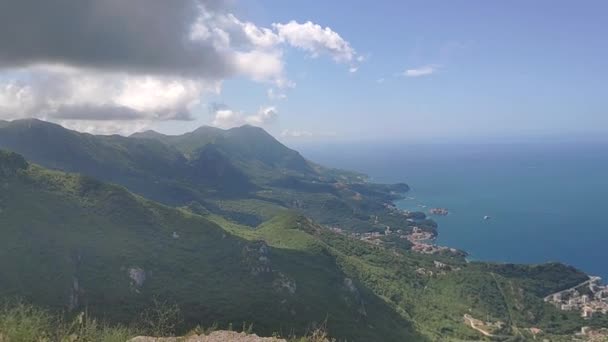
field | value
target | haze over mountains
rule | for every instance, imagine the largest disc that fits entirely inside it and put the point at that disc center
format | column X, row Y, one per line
column 143, row 191
column 242, row 235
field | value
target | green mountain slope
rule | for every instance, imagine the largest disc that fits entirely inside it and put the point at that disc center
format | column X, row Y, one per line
column 72, row 242
column 247, row 146
column 246, row 240
column 148, row 167
column 241, row 173
column 436, row 292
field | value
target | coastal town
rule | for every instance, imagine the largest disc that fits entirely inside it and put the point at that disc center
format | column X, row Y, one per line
column 419, row 239
column 589, row 298
column 422, row 242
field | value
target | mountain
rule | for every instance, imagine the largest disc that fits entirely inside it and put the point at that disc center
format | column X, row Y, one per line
column 71, row 242
column 242, row 173
column 148, row 167
column 247, row 146
column 281, row 250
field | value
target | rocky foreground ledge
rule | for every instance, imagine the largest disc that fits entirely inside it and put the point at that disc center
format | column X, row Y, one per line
column 216, row 336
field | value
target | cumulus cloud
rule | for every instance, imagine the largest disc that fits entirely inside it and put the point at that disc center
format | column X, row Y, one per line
column 264, row 116
column 88, row 61
column 316, row 40
column 74, row 94
column 262, row 66
column 225, row 117
column 421, row 71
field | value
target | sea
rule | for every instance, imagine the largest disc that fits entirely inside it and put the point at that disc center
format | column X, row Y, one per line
column 543, row 201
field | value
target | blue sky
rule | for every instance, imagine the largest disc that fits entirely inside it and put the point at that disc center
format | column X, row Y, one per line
column 502, row 69
column 338, row 70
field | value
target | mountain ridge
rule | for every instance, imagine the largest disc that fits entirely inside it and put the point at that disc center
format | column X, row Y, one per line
column 290, row 236
column 100, row 247
column 216, row 175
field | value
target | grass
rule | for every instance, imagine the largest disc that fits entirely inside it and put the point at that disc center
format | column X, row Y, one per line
column 20, row 322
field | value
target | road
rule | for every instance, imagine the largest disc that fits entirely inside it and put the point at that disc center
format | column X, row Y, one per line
column 590, row 280
column 471, row 321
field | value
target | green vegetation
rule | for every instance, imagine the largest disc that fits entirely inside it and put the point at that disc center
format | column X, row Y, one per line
column 71, row 242
column 437, row 302
column 541, row 280
column 243, row 174
column 241, row 236
column 11, row 163
column 21, row 322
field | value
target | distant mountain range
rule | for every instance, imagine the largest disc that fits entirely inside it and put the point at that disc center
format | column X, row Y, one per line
column 235, row 227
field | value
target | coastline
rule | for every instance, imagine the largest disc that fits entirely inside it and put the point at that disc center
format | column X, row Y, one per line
column 468, row 257
column 561, row 201
column 588, row 298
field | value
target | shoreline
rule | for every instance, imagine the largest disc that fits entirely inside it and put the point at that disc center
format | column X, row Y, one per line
column 467, row 255
column 594, row 301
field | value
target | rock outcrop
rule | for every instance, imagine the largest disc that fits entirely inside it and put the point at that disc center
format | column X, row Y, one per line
column 216, row 336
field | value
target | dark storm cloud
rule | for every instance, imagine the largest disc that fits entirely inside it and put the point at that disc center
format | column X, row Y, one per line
column 146, row 36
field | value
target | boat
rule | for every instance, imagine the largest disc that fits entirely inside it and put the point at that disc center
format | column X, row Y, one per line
column 438, row 211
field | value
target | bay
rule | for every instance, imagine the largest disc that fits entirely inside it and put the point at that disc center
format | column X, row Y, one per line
column 546, row 201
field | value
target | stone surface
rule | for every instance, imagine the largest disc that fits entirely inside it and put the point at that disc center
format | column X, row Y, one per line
column 216, row 336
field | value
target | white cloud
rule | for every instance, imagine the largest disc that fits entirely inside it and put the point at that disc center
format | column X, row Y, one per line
column 262, row 66
column 258, row 50
column 74, row 94
column 152, row 94
column 421, row 71
column 316, row 40
column 380, row 80
column 225, row 117
column 160, row 69
column 260, row 37
column 264, row 116
column 353, row 69
column 15, row 97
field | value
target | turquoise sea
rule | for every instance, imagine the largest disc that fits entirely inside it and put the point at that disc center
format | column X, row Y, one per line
column 547, row 201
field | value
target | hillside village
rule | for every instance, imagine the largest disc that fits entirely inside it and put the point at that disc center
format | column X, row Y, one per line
column 421, row 240
column 590, row 298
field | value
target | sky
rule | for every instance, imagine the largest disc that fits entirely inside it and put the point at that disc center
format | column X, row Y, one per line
column 310, row 70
